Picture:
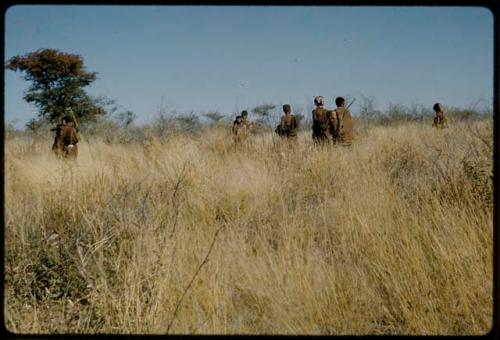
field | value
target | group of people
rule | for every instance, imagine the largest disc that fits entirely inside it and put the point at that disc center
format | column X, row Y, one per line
column 330, row 126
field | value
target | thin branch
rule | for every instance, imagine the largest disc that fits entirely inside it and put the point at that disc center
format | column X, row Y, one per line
column 205, row 260
column 175, row 202
column 145, row 215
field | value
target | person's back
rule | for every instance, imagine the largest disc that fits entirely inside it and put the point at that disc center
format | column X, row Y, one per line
column 58, row 144
column 345, row 123
column 440, row 120
column 288, row 126
column 69, row 134
column 70, row 140
column 241, row 127
column 320, row 121
column 66, row 140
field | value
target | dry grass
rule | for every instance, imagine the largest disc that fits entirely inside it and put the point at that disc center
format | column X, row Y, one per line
column 391, row 236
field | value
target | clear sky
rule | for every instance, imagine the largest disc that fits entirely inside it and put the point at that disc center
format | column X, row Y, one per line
column 229, row 58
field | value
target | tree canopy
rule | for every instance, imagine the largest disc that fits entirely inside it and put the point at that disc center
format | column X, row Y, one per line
column 57, row 82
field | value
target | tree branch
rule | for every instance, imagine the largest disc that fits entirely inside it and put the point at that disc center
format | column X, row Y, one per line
column 205, row 260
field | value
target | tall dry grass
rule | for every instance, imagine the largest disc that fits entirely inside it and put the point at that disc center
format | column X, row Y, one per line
column 393, row 235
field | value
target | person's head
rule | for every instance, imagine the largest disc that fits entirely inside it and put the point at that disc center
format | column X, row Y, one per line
column 67, row 119
column 339, row 101
column 238, row 118
column 287, row 108
column 244, row 114
column 318, row 101
column 437, row 107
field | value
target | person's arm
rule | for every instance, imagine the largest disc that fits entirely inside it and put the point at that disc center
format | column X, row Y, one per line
column 331, row 121
column 314, row 122
column 295, row 125
column 337, row 121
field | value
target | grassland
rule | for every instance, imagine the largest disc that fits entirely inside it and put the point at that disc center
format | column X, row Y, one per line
column 391, row 236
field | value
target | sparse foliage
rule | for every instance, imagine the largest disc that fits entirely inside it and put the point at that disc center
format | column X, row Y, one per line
column 214, row 117
column 188, row 122
column 126, row 118
column 367, row 108
column 263, row 115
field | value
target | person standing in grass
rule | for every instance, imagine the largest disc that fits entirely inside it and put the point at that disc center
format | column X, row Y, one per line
column 288, row 127
column 440, row 120
column 321, row 125
column 245, row 121
column 343, row 130
column 57, row 129
column 241, row 127
column 66, row 139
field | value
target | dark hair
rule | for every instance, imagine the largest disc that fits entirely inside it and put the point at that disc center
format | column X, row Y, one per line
column 244, row 113
column 437, row 107
column 287, row 108
column 339, row 101
column 68, row 119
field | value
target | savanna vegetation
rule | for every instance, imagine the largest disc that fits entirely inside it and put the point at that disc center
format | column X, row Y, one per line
column 163, row 229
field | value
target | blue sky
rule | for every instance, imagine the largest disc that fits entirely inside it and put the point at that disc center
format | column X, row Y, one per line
column 228, row 58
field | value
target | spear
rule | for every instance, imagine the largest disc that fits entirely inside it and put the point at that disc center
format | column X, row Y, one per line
column 73, row 116
column 351, row 103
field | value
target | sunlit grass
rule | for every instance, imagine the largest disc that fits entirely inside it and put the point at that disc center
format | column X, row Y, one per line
column 393, row 235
